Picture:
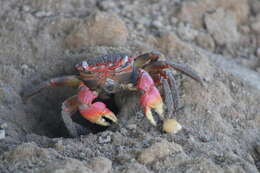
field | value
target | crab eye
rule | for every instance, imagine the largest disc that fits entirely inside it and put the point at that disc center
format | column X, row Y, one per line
column 84, row 64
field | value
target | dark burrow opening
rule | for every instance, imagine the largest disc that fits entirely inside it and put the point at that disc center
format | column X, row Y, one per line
column 81, row 126
column 45, row 110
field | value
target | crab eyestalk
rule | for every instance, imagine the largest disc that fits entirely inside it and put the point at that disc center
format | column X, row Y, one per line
column 96, row 112
column 151, row 98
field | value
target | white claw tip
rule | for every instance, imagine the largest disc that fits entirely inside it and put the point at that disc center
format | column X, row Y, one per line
column 149, row 116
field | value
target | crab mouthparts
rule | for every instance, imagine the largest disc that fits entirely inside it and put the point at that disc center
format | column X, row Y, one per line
column 79, row 67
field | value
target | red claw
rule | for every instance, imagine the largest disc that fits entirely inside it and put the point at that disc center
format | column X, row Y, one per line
column 94, row 112
column 151, row 97
column 85, row 95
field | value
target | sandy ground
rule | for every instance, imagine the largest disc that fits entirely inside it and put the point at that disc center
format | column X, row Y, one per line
column 220, row 40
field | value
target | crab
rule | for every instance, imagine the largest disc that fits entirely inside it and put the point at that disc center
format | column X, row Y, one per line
column 116, row 72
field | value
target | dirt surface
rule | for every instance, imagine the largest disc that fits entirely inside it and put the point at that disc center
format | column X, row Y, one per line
column 220, row 40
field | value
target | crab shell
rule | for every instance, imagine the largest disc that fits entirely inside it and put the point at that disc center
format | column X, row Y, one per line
column 111, row 73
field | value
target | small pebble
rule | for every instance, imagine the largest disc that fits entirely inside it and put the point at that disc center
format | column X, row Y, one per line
column 132, row 126
column 104, row 139
column 101, row 164
column 3, row 126
column 204, row 138
column 2, row 134
column 171, row 126
column 258, row 52
column 158, row 151
column 157, row 24
column 43, row 14
column 59, row 146
column 26, row 8
column 258, row 148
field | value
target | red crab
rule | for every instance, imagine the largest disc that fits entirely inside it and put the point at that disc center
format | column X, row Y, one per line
column 112, row 73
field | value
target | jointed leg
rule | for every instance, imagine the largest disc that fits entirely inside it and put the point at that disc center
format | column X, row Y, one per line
column 70, row 105
column 150, row 61
column 173, row 88
column 72, row 81
column 168, row 99
column 169, row 88
column 143, row 59
column 169, row 64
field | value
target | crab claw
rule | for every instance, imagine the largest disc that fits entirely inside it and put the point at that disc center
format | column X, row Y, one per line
column 150, row 98
column 98, row 113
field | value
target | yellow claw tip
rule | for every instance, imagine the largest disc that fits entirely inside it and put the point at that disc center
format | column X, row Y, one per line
column 149, row 116
column 106, row 119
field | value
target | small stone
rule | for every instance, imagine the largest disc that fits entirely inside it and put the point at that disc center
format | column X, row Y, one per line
column 132, row 126
column 239, row 7
column 26, row 151
column 256, row 27
column 118, row 138
column 204, row 138
column 43, row 14
column 104, row 139
column 245, row 29
column 98, row 29
column 234, row 169
column 258, row 147
column 205, row 165
column 3, row 126
column 193, row 11
column 59, row 146
column 66, row 166
column 170, row 44
column 2, row 134
column 205, row 41
column 157, row 24
column 258, row 52
column 24, row 66
column 26, row 8
column 222, row 25
column 171, row 126
column 173, row 20
column 136, row 168
column 186, row 32
column 101, row 165
column 158, row 151
column 106, row 5
column 258, row 40
column 255, row 6
column 123, row 158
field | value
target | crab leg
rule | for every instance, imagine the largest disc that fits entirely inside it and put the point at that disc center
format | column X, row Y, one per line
column 72, row 81
column 143, row 59
column 70, row 105
column 96, row 112
column 169, row 88
column 169, row 64
column 173, row 88
column 169, row 100
column 150, row 98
